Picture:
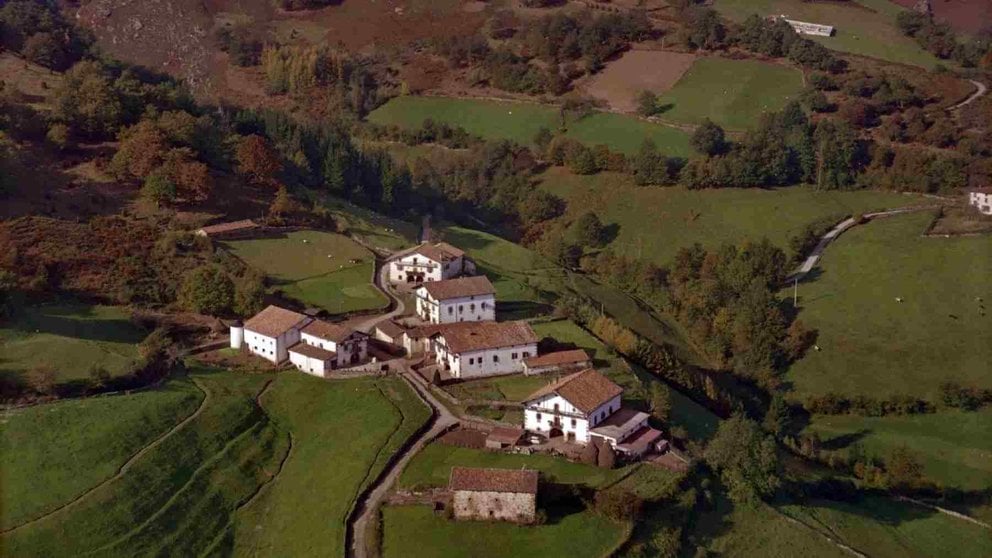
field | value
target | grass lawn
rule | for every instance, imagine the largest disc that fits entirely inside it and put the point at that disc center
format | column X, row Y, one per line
column 415, row 532
column 866, row 27
column 521, row 121
column 506, row 388
column 70, row 338
column 732, row 93
column 872, row 344
column 889, row 529
column 681, row 217
column 432, row 467
column 303, row 270
column 94, row 438
column 238, row 478
column 730, row 530
column 955, row 447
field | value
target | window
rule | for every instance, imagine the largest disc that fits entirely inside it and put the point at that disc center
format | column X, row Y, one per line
column 526, row 354
column 495, row 358
column 574, row 423
column 414, row 260
column 461, row 308
column 451, row 310
column 513, row 356
column 538, row 417
column 472, row 307
column 471, row 361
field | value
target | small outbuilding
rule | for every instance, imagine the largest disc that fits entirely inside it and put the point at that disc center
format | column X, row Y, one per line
column 231, row 229
column 503, row 437
column 559, row 361
column 494, row 494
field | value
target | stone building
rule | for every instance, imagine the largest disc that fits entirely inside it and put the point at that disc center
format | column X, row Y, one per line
column 494, row 494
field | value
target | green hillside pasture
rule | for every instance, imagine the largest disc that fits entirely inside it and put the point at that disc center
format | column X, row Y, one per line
column 884, row 528
column 954, row 446
column 416, row 532
column 432, row 467
column 732, row 93
column 343, row 433
column 873, row 344
column 303, row 270
column 865, row 27
column 70, row 338
column 681, row 217
column 94, row 437
column 521, row 121
column 730, row 530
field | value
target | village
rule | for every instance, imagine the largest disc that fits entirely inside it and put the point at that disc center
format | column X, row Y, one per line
column 451, row 335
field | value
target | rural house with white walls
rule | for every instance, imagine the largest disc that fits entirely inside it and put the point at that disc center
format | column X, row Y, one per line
column 429, row 262
column 466, row 299
column 325, row 346
column 270, row 333
column 476, row 349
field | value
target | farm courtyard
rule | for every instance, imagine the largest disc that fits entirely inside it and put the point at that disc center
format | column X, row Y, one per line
column 317, row 268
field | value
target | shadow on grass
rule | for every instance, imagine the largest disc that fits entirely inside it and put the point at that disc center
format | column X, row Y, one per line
column 73, row 322
column 521, row 309
column 845, row 440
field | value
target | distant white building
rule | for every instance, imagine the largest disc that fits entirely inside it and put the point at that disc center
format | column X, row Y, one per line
column 467, row 299
column 271, row 332
column 325, row 346
column 806, row 28
column 475, row 349
column 981, row 199
column 586, row 406
column 429, row 262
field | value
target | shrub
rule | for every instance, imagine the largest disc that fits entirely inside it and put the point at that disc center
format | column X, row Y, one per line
column 42, row 379
column 617, row 505
column 208, row 290
column 159, row 189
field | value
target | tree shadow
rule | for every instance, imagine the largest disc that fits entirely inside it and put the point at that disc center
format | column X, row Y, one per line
column 662, row 109
column 610, row 233
column 75, row 322
column 520, row 309
column 845, row 440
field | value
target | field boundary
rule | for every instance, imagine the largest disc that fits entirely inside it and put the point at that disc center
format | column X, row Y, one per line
column 945, row 511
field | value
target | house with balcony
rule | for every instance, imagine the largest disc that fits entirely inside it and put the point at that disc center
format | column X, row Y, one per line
column 325, row 346
column 429, row 262
column 466, row 299
column 586, row 407
column 466, row 350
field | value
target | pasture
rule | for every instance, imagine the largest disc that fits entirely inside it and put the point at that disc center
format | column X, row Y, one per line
column 623, row 79
column 732, row 93
column 318, row 268
column 70, row 338
column 871, row 343
column 681, row 217
column 416, row 532
column 520, row 122
column 250, row 471
column 866, row 27
column 954, row 446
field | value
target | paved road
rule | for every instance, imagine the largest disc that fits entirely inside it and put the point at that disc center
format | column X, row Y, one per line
column 382, row 281
column 810, row 262
column 981, row 89
column 441, row 420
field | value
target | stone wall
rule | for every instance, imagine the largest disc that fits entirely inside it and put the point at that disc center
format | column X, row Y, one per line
column 518, row 507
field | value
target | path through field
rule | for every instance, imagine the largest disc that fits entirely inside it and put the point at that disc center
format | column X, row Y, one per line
column 979, row 91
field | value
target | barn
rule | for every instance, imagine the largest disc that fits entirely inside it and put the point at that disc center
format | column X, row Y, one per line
column 494, row 494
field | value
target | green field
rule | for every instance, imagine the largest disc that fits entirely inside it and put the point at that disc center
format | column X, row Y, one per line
column 871, row 343
column 415, row 532
column 70, row 338
column 317, row 272
column 955, row 447
column 94, row 438
column 681, row 217
column 865, row 27
column 521, row 121
column 270, row 465
column 732, row 93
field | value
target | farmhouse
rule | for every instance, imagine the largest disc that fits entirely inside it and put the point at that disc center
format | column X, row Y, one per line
column 429, row 262
column 586, row 406
column 475, row 349
column 981, row 200
column 325, row 346
column 805, row 28
column 467, row 299
column 494, row 494
column 558, row 361
column 270, row 333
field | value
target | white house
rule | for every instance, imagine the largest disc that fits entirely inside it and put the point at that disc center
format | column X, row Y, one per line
column 271, row 332
column 981, row 199
column 586, row 406
column 429, row 262
column 325, row 346
column 475, row 349
column 467, row 299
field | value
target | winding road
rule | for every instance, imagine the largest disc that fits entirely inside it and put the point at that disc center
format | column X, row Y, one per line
column 979, row 91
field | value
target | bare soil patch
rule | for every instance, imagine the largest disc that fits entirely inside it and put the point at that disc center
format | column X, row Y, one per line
column 968, row 16
column 961, row 221
column 637, row 70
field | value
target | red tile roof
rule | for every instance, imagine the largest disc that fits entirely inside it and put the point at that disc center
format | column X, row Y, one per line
column 312, row 352
column 586, row 390
column 571, row 356
column 390, row 328
column 458, row 288
column 493, row 480
column 328, row 331
column 477, row 336
column 639, row 441
column 440, row 252
column 505, row 434
column 274, row 321
column 220, row 228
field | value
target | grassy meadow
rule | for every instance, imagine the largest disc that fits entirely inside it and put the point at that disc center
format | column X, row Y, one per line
column 271, row 465
column 681, row 217
column 873, row 344
column 314, row 267
column 955, row 447
column 415, row 532
column 865, row 27
column 521, row 121
column 70, row 338
column 732, row 93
